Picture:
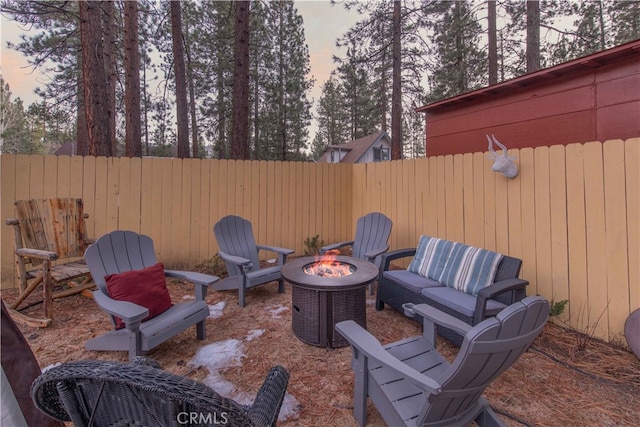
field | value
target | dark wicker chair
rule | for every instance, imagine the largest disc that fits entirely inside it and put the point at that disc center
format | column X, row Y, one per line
column 102, row 393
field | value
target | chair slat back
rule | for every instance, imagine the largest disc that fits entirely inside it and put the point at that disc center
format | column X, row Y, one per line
column 488, row 349
column 117, row 252
column 55, row 225
column 235, row 237
column 372, row 232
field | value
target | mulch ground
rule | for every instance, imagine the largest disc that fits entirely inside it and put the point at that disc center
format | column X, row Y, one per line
column 565, row 379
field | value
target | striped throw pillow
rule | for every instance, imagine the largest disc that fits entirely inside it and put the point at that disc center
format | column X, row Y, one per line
column 430, row 258
column 470, row 269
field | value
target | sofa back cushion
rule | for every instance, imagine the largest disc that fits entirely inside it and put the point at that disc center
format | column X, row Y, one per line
column 470, row 269
column 431, row 257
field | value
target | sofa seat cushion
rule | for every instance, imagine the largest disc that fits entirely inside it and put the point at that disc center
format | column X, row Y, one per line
column 459, row 301
column 410, row 280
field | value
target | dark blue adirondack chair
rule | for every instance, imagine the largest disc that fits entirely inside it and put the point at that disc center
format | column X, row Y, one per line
column 121, row 251
column 410, row 383
column 371, row 239
column 239, row 251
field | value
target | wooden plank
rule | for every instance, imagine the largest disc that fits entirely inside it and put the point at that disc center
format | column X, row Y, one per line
column 128, row 214
column 414, row 188
column 543, row 224
column 215, row 201
column 88, row 194
column 205, row 230
column 8, row 194
column 76, row 176
column 514, row 196
column 182, row 224
column 632, row 172
column 305, row 208
column 148, row 212
column 502, row 213
column 468, row 206
column 63, row 177
column 430, row 228
column 278, row 209
column 192, row 242
column 558, row 210
column 113, row 194
column 615, row 191
column 458, row 199
column 441, row 198
column 164, row 245
column 50, row 188
column 477, row 199
column 100, row 196
column 576, row 234
column 489, row 178
column 526, row 176
column 35, row 180
column 593, row 318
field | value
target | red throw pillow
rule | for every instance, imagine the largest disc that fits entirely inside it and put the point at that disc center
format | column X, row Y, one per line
column 146, row 287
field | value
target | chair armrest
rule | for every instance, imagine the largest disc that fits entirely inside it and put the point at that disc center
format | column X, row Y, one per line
column 335, row 246
column 372, row 253
column 432, row 316
column 129, row 312
column 363, row 342
column 37, row 253
column 193, row 277
column 491, row 291
column 11, row 221
column 237, row 260
column 266, row 406
column 283, row 251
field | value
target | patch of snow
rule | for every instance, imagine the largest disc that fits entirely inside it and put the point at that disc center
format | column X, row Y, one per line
column 224, row 354
column 254, row 334
column 188, row 297
column 215, row 310
column 277, row 310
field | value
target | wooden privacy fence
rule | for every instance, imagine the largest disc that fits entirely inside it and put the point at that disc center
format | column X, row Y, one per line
column 572, row 214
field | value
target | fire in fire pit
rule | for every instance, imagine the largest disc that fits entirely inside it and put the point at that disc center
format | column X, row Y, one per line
column 328, row 266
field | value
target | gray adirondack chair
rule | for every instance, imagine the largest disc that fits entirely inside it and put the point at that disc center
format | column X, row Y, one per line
column 239, row 251
column 121, row 251
column 101, row 393
column 371, row 239
column 412, row 384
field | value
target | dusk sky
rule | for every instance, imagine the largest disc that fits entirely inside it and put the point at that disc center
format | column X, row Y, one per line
column 323, row 23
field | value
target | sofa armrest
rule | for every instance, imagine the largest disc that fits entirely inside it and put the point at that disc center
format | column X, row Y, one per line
column 386, row 258
column 492, row 291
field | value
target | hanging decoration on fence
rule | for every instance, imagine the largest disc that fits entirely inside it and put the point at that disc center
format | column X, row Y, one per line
column 502, row 163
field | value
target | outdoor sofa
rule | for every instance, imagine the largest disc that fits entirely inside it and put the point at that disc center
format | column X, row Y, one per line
column 468, row 283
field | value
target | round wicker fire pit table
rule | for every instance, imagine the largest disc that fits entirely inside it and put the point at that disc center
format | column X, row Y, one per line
column 319, row 302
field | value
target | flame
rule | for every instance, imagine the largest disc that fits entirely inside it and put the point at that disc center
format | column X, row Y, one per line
column 327, row 266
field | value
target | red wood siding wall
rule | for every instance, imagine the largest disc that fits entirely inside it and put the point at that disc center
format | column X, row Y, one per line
column 594, row 104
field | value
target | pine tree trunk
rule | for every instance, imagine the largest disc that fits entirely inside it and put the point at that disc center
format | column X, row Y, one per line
column 396, row 95
column 493, row 43
column 82, row 135
column 181, row 81
column 533, row 36
column 240, row 132
column 133, row 132
column 94, row 79
column 109, row 42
